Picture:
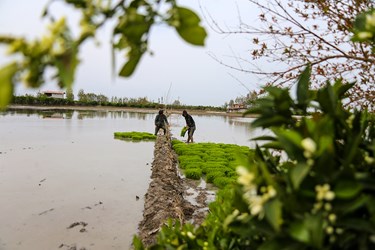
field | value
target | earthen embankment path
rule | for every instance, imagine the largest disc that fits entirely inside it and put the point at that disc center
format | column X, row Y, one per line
column 164, row 198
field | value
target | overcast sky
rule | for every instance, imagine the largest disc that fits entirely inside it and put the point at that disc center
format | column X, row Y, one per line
column 177, row 70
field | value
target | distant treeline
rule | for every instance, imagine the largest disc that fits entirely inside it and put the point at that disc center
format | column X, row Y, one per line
column 100, row 100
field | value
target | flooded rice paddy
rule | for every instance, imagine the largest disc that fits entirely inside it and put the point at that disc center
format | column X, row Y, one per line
column 65, row 181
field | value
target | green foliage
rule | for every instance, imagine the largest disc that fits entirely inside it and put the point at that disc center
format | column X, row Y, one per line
column 59, row 47
column 92, row 99
column 188, row 26
column 318, row 195
column 364, row 28
column 135, row 136
column 6, row 84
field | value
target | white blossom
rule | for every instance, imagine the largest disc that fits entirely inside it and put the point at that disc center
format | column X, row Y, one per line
column 323, row 192
column 245, row 177
column 309, row 147
column 364, row 35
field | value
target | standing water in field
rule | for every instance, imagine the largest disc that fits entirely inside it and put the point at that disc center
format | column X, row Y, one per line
column 66, row 182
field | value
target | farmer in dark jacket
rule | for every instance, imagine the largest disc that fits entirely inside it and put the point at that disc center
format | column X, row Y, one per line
column 161, row 122
column 190, row 124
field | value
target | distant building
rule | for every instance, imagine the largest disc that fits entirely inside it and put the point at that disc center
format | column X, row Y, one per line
column 237, row 107
column 54, row 94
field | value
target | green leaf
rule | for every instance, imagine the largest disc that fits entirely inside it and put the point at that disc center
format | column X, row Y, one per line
column 273, row 145
column 328, row 100
column 309, row 230
column 129, row 67
column 358, row 224
column 299, row 231
column 189, row 28
column 303, row 87
column 298, row 173
column 273, row 211
column 315, row 226
column 67, row 65
column 343, row 88
column 346, row 189
column 360, row 22
column 264, row 138
column 291, row 141
column 268, row 121
column 275, row 91
column 6, row 84
column 133, row 26
column 353, row 205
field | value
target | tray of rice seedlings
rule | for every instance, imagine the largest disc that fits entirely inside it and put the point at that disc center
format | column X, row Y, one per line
column 221, row 182
column 134, row 136
column 184, row 160
column 216, row 162
column 213, row 174
column 193, row 173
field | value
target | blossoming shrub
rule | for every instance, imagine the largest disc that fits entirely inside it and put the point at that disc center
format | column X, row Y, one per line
column 311, row 184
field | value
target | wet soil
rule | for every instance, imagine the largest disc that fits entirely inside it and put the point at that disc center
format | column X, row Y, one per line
column 169, row 194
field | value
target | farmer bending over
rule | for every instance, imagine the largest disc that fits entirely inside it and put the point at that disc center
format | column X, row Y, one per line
column 161, row 122
column 190, row 124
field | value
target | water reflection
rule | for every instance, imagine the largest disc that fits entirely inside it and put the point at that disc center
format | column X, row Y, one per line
column 210, row 128
column 54, row 172
column 82, row 164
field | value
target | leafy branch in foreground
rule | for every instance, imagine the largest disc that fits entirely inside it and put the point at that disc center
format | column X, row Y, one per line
column 58, row 49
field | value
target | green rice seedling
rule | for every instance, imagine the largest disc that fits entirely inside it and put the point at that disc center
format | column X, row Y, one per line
column 193, row 165
column 148, row 136
column 212, row 165
column 183, row 131
column 193, row 173
column 221, row 182
column 231, row 173
column 212, row 175
column 188, row 159
column 135, row 136
column 175, row 142
column 179, row 149
column 220, row 161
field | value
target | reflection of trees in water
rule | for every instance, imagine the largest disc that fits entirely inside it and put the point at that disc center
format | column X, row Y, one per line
column 69, row 114
column 125, row 115
column 13, row 112
column 111, row 114
column 238, row 122
column 91, row 114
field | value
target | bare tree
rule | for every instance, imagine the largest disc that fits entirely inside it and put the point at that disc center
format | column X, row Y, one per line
column 291, row 34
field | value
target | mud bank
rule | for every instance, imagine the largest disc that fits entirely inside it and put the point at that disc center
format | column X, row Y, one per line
column 168, row 194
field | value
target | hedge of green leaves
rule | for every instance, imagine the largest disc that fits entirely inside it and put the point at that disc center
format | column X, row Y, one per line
column 135, row 136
